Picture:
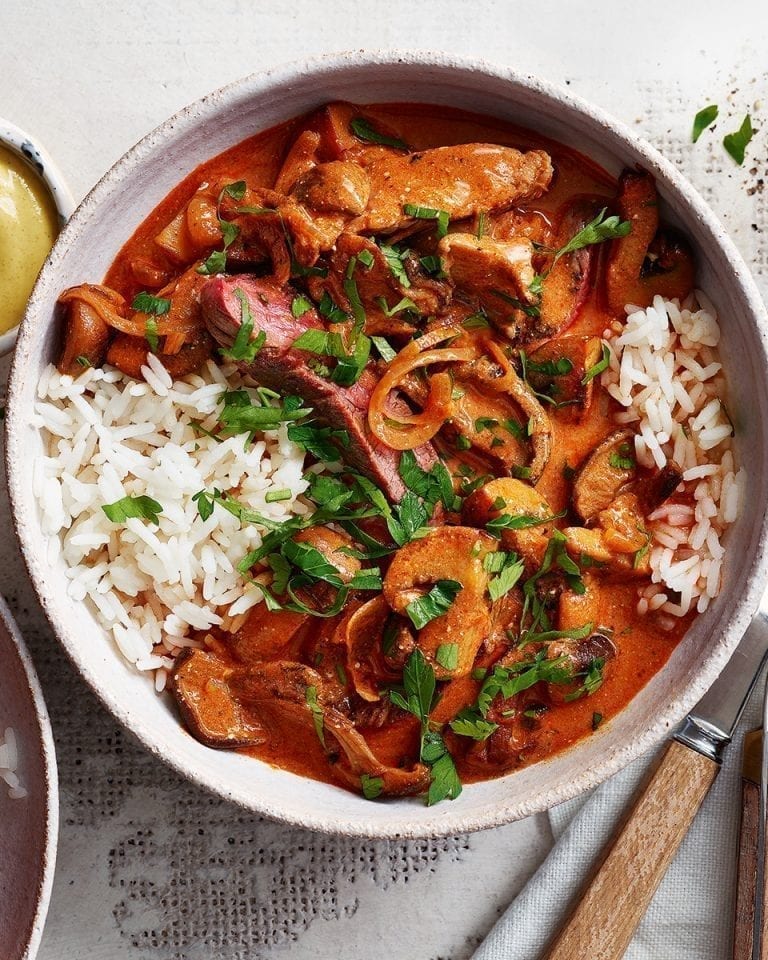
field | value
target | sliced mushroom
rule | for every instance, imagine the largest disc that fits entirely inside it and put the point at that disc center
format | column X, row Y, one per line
column 446, row 553
column 340, row 186
column 609, row 467
column 579, row 656
column 200, row 683
column 363, row 633
column 497, row 274
column 86, row 338
column 494, row 374
column 558, row 370
column 293, row 700
column 566, row 286
column 267, row 634
column 591, row 543
column 506, row 496
column 379, row 289
column 648, row 261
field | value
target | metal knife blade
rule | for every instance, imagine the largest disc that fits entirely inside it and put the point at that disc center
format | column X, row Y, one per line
column 710, row 725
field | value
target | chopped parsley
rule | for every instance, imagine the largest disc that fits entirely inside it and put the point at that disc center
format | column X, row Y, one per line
column 429, row 213
column 141, row 508
column 447, row 655
column 310, row 695
column 596, row 369
column 300, row 305
column 146, row 303
column 363, row 130
column 703, row 119
column 622, row 458
column 371, row 786
column 434, row 604
column 150, row 334
column 217, row 261
column 736, row 143
column 418, row 698
column 243, row 348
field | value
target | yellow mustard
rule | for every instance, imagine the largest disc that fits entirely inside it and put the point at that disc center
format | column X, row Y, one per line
column 28, row 227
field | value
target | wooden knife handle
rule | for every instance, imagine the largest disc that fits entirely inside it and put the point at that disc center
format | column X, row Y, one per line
column 618, row 893
column 746, row 880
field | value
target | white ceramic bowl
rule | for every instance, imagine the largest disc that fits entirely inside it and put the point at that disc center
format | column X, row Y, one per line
column 29, row 825
column 106, row 219
column 37, row 157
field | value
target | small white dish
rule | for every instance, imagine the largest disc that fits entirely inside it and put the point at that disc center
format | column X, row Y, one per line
column 39, row 160
column 28, row 825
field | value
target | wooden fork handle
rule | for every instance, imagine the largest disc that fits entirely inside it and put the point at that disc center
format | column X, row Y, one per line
column 618, row 893
column 746, row 882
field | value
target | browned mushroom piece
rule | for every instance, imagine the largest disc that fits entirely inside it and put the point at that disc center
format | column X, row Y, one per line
column 293, row 700
column 591, row 543
column 380, row 289
column 598, row 480
column 446, row 553
column 340, row 186
column 566, row 286
column 331, row 544
column 577, row 658
column 507, row 496
column 86, row 338
column 364, row 633
column 497, row 274
column 559, row 369
column 494, row 376
column 646, row 262
column 200, row 683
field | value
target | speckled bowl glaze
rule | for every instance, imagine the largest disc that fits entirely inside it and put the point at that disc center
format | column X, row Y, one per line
column 28, row 826
column 38, row 158
column 106, row 219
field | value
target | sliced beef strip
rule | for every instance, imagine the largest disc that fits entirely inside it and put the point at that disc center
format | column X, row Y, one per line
column 279, row 366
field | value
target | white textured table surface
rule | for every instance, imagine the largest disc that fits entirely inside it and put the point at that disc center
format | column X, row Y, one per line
column 150, row 867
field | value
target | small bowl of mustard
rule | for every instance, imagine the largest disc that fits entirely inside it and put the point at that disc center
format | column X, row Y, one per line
column 35, row 203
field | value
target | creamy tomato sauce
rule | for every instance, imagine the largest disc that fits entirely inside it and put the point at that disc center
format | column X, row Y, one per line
column 642, row 648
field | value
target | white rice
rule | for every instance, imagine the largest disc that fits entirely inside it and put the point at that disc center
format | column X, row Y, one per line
column 665, row 373
column 108, row 436
column 9, row 762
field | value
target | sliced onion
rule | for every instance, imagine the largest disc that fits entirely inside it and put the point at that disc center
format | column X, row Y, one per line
column 404, row 432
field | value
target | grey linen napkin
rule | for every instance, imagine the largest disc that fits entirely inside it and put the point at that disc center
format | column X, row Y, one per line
column 691, row 915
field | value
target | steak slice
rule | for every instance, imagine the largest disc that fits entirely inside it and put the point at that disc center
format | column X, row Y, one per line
column 281, row 367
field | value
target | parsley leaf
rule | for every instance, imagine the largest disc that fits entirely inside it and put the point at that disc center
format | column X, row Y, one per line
column 363, row 130
column 386, row 351
column 146, row 303
column 602, row 364
column 511, row 571
column 703, row 119
column 322, row 442
column 468, row 723
column 394, row 258
column 150, row 334
column 371, row 786
column 428, row 213
column 596, row 231
column 243, row 348
column 310, row 695
column 434, row 604
column 447, row 655
column 418, row 698
column 622, row 459
column 142, row 508
column 300, row 305
column 736, row 143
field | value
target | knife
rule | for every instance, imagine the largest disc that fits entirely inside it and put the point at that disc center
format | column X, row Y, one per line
column 603, row 921
column 750, row 938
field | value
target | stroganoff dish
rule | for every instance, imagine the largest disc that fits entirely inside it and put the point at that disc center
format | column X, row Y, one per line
column 394, row 445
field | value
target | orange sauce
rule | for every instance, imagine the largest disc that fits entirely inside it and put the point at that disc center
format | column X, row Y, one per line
column 643, row 647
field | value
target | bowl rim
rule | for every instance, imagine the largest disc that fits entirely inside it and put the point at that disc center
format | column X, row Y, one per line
column 499, row 811
column 33, row 153
column 47, row 751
